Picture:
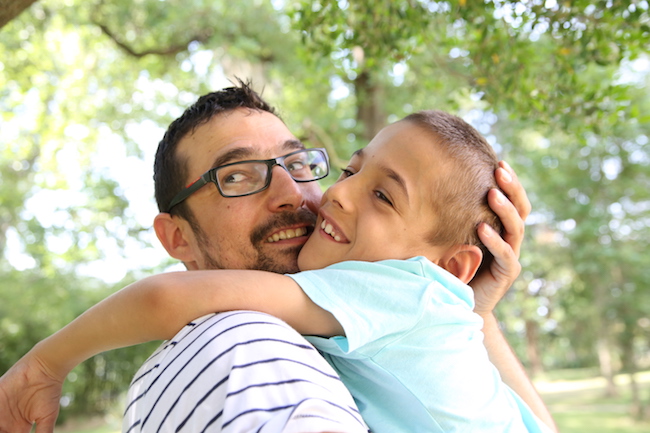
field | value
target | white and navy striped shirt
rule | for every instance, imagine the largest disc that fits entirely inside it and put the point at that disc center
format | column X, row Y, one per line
column 237, row 372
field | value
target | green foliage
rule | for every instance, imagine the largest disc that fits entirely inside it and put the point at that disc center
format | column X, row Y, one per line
column 36, row 305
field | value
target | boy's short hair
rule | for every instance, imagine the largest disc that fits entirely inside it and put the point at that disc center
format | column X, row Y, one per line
column 170, row 171
column 460, row 199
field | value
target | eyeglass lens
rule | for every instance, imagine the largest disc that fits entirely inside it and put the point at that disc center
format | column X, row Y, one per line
column 247, row 177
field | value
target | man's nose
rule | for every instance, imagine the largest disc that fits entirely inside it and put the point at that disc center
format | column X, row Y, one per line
column 284, row 193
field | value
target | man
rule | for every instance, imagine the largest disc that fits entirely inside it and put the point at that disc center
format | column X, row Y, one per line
column 261, row 228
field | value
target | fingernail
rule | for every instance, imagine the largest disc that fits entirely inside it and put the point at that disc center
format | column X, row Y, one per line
column 500, row 198
column 506, row 175
column 485, row 230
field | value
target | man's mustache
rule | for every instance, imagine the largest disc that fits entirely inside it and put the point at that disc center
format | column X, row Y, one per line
column 301, row 216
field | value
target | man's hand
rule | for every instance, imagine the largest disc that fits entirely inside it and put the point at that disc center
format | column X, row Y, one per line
column 29, row 394
column 492, row 283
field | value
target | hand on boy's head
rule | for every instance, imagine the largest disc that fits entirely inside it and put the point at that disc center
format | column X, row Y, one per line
column 28, row 395
column 513, row 222
column 493, row 282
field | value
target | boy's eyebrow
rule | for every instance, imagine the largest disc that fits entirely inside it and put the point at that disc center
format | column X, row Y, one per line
column 392, row 174
column 399, row 180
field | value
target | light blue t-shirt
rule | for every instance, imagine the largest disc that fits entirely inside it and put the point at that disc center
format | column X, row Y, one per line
column 413, row 355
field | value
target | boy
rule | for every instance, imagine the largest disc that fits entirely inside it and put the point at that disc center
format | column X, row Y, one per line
column 390, row 328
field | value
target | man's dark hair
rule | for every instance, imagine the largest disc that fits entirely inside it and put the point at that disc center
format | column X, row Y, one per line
column 169, row 171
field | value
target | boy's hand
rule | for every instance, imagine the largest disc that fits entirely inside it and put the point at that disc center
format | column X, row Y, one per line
column 29, row 394
column 492, row 283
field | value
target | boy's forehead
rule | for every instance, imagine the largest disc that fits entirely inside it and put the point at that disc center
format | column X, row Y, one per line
column 405, row 144
column 413, row 154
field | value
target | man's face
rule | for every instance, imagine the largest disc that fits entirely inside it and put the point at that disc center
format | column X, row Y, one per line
column 260, row 231
column 381, row 206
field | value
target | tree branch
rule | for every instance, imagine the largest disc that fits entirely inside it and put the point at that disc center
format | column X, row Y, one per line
column 10, row 9
column 171, row 50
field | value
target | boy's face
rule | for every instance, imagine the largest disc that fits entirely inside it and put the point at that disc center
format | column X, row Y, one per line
column 381, row 206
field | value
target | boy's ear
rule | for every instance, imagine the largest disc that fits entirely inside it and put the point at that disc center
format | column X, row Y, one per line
column 172, row 234
column 463, row 261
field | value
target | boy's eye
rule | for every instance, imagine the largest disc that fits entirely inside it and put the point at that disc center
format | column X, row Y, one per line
column 382, row 197
column 345, row 172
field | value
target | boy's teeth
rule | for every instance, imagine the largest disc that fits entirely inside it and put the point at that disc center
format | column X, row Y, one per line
column 287, row 234
column 327, row 228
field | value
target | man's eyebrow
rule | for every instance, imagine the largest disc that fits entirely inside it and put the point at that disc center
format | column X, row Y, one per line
column 243, row 153
column 293, row 144
column 236, row 154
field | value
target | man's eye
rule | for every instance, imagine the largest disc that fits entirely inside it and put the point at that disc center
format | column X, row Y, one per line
column 382, row 197
column 296, row 165
column 235, row 178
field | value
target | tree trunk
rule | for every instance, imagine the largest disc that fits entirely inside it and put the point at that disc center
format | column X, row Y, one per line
column 606, row 365
column 603, row 349
column 370, row 109
column 10, row 9
column 532, row 348
column 626, row 342
column 629, row 364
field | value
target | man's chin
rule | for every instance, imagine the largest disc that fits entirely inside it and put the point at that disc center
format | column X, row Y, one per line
column 280, row 262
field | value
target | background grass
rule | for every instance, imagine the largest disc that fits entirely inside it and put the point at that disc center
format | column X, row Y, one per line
column 577, row 400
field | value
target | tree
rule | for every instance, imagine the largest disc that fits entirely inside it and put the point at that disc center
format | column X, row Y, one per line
column 10, row 9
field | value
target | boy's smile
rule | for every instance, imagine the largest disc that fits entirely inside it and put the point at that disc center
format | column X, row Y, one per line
column 381, row 206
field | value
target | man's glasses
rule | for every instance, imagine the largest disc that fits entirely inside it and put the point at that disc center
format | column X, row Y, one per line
column 242, row 178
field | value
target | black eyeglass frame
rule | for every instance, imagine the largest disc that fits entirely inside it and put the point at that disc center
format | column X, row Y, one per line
column 211, row 176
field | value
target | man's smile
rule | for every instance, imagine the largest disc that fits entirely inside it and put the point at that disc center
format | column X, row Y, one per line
column 287, row 234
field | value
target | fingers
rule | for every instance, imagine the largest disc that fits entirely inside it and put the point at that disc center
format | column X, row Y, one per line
column 45, row 426
column 509, row 183
column 513, row 224
column 492, row 283
column 513, row 208
column 505, row 258
column 505, row 267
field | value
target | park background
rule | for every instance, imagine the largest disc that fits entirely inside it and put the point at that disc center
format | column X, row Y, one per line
column 559, row 88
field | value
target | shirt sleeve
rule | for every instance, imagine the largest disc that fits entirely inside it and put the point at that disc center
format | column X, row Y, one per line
column 377, row 301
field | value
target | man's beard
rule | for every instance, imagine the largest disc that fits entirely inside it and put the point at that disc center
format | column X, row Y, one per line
column 263, row 261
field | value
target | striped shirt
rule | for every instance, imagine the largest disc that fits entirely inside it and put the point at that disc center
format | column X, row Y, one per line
column 234, row 372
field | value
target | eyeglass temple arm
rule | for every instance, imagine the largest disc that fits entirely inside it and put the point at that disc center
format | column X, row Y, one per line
column 198, row 184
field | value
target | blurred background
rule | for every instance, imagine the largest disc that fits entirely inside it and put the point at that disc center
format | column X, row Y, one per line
column 88, row 87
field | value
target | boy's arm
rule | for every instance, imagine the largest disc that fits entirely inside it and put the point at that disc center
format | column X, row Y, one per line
column 151, row 309
column 490, row 286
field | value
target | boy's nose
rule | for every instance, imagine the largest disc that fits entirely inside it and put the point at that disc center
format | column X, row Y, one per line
column 342, row 194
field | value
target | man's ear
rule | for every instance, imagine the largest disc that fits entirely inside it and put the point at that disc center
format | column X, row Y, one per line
column 173, row 234
column 463, row 261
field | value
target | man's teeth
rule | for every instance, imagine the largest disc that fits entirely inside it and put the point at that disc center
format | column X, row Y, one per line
column 287, row 234
column 327, row 228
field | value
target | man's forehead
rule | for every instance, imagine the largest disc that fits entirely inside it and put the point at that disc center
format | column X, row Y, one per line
column 235, row 136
